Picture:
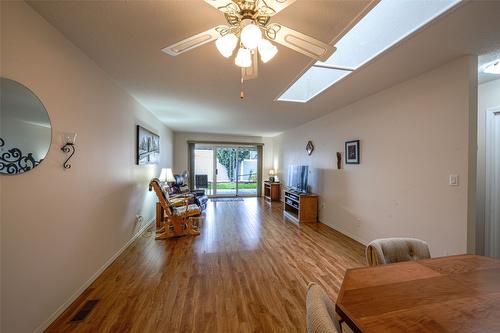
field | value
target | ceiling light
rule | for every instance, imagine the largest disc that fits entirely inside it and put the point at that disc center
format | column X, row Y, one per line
column 249, row 22
column 266, row 50
column 251, row 36
column 243, row 58
column 226, row 44
column 492, row 68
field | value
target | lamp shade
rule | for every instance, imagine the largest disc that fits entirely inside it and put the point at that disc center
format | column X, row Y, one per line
column 267, row 50
column 243, row 58
column 163, row 175
column 271, row 172
column 226, row 44
column 170, row 175
column 251, row 36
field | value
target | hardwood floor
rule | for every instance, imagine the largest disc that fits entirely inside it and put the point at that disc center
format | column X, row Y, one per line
column 246, row 272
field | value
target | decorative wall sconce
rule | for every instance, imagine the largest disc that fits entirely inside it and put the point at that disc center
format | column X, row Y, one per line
column 69, row 147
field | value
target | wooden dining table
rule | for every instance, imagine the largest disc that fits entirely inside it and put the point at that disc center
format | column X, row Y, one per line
column 448, row 294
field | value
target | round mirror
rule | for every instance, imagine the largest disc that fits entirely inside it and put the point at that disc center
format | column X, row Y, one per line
column 25, row 131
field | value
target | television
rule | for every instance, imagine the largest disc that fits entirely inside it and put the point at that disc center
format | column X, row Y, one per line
column 297, row 177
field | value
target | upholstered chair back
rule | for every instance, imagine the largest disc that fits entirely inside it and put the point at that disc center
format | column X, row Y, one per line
column 391, row 250
column 320, row 311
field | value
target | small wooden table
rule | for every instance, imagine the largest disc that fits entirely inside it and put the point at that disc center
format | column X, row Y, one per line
column 448, row 294
column 272, row 191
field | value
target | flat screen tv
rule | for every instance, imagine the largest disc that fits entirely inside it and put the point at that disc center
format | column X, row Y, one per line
column 297, row 177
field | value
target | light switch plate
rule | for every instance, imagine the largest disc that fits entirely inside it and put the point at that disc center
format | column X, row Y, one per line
column 453, row 180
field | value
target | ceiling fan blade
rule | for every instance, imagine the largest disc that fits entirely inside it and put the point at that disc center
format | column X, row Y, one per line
column 250, row 73
column 194, row 41
column 225, row 6
column 272, row 7
column 299, row 42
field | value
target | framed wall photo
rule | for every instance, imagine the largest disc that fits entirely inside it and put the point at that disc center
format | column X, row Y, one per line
column 352, row 152
column 148, row 147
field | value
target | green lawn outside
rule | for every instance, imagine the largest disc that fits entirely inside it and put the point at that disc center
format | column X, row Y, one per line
column 232, row 186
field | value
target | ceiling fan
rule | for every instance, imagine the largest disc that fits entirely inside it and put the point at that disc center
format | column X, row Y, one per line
column 249, row 27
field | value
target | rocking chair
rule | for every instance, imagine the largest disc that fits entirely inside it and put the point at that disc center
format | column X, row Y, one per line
column 174, row 221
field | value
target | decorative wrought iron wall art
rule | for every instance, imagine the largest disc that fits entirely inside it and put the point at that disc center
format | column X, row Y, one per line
column 68, row 148
column 13, row 161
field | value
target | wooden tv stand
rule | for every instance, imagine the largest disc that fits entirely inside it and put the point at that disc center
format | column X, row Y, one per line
column 299, row 206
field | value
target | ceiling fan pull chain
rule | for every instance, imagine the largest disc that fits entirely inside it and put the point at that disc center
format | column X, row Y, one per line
column 242, row 93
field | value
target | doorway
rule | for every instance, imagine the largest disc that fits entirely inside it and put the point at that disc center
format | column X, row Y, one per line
column 226, row 170
column 492, row 202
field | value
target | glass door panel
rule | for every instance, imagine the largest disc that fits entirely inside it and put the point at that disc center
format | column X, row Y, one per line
column 247, row 171
column 204, row 168
column 226, row 171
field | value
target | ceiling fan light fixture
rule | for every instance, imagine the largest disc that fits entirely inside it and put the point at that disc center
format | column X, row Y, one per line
column 267, row 50
column 226, row 44
column 251, row 35
column 243, row 58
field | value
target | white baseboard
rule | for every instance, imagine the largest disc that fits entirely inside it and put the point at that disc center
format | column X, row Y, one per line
column 80, row 290
column 348, row 234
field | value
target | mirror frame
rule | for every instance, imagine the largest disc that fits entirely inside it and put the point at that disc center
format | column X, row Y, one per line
column 13, row 157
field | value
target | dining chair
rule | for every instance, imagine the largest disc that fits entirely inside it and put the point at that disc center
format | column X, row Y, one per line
column 320, row 311
column 391, row 250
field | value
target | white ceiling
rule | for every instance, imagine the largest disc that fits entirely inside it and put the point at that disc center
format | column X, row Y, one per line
column 199, row 91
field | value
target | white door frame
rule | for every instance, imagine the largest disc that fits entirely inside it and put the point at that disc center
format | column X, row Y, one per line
column 492, row 209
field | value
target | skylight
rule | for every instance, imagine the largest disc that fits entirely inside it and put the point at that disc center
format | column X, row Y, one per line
column 386, row 24
column 313, row 82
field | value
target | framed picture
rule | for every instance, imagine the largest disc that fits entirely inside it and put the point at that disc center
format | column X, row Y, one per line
column 148, row 147
column 352, row 152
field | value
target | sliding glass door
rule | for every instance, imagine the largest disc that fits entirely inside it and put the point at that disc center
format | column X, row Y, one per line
column 203, row 168
column 247, row 171
column 227, row 170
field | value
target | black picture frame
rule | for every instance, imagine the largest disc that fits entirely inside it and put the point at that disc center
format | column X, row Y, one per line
column 352, row 152
column 147, row 146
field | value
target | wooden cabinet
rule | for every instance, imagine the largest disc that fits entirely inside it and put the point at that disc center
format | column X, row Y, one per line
column 300, row 206
column 272, row 191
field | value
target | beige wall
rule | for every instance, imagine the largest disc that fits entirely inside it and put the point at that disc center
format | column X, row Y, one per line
column 413, row 136
column 488, row 97
column 59, row 227
column 181, row 148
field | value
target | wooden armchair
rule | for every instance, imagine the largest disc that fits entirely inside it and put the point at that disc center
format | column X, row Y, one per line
column 174, row 221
